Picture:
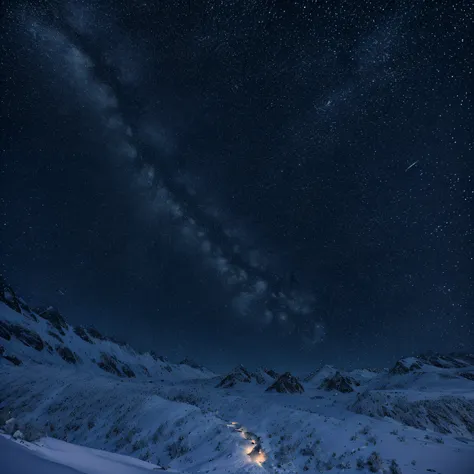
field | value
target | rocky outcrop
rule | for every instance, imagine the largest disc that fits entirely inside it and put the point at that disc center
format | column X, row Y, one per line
column 66, row 354
column 454, row 360
column 271, row 373
column 405, row 366
column 191, row 363
column 8, row 296
column 14, row 360
column 258, row 377
column 109, row 364
column 341, row 383
column 26, row 336
column 467, row 375
column 91, row 332
column 239, row 374
column 25, row 310
column 119, row 342
column 127, row 371
column 466, row 357
column 54, row 317
column 145, row 370
column 28, row 327
column 158, row 357
column 95, row 334
column 56, row 336
column 286, row 383
column 447, row 361
column 82, row 333
column 4, row 333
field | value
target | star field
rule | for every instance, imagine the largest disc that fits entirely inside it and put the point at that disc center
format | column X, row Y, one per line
column 207, row 178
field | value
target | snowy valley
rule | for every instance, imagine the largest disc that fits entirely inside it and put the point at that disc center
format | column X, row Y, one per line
column 66, row 392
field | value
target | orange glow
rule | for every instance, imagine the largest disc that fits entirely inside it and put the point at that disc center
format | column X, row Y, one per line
column 260, row 458
column 256, row 455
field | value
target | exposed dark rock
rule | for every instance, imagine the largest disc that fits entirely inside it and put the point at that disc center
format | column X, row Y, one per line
column 454, row 360
column 467, row 375
column 374, row 462
column 271, row 373
column 258, row 377
column 4, row 332
column 286, row 383
column 168, row 368
column 116, row 341
column 54, row 317
column 96, row 334
column 158, row 357
column 66, row 354
column 145, row 370
column 466, row 357
column 339, row 382
column 7, row 296
column 56, row 336
column 49, row 347
column 82, row 333
column 405, row 366
column 239, row 374
column 128, row 371
column 25, row 309
column 14, row 360
column 447, row 361
column 109, row 364
column 2, row 350
column 26, row 336
column 190, row 363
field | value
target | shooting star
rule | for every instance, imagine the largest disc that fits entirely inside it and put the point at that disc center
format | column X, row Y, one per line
column 412, row 165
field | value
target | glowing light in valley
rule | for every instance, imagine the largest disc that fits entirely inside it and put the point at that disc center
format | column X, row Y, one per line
column 254, row 451
column 256, row 454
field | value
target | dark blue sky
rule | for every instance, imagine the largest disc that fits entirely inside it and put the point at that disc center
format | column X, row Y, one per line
column 273, row 183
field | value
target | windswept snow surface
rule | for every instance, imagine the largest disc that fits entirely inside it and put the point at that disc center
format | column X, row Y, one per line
column 421, row 415
column 52, row 456
column 87, row 355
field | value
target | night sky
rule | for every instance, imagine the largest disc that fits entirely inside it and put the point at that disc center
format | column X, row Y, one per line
column 261, row 182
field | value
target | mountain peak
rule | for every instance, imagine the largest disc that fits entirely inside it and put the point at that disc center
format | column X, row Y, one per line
column 286, row 383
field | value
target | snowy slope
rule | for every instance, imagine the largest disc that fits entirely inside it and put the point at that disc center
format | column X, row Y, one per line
column 57, row 457
column 31, row 338
column 416, row 418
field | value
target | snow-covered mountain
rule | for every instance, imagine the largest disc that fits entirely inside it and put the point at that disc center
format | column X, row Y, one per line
column 241, row 375
column 78, row 386
column 43, row 336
